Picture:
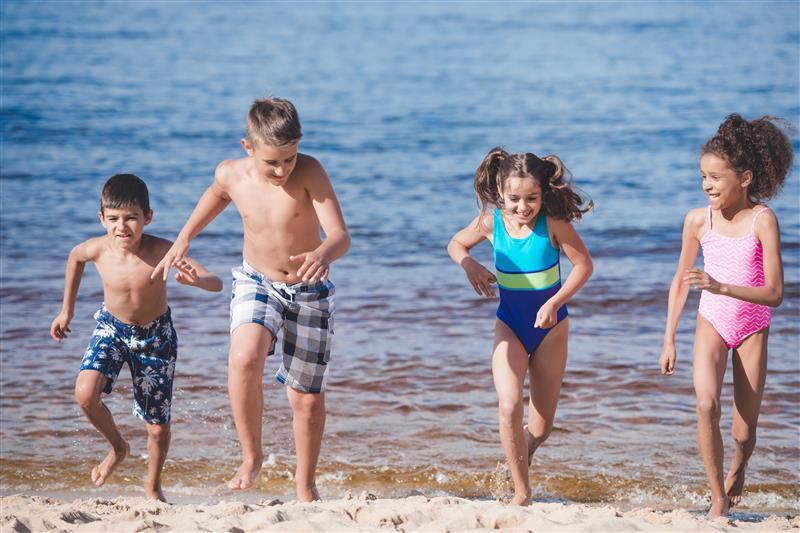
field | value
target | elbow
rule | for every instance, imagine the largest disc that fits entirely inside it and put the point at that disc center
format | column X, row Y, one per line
column 777, row 298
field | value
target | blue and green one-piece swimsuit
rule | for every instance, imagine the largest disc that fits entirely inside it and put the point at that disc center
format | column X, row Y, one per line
column 528, row 274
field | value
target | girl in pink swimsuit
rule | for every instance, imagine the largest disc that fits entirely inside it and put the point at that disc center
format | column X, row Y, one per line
column 745, row 163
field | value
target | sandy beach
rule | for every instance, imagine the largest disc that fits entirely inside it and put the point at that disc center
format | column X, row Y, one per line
column 21, row 513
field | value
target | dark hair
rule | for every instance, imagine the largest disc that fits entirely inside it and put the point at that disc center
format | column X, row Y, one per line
column 274, row 122
column 758, row 146
column 558, row 197
column 123, row 190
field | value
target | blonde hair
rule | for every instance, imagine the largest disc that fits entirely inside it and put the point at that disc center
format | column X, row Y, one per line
column 274, row 122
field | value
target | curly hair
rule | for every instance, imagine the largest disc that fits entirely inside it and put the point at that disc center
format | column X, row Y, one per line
column 758, row 146
column 558, row 197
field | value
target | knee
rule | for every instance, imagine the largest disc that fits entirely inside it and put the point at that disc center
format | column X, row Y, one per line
column 158, row 431
column 744, row 437
column 244, row 361
column 509, row 410
column 708, row 407
column 541, row 430
column 86, row 396
column 308, row 405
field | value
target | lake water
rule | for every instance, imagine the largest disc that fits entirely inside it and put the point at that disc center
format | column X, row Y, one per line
column 400, row 102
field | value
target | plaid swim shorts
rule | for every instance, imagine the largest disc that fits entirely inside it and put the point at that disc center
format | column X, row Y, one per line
column 302, row 311
column 150, row 351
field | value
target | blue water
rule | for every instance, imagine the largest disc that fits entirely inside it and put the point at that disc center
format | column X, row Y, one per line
column 400, row 102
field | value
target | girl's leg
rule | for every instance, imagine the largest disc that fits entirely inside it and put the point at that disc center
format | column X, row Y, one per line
column 546, row 374
column 248, row 352
column 710, row 360
column 749, row 375
column 509, row 364
column 158, row 436
column 88, row 388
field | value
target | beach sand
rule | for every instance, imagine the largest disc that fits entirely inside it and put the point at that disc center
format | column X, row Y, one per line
column 21, row 513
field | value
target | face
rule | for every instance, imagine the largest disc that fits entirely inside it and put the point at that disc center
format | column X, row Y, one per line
column 522, row 198
column 125, row 225
column 272, row 163
column 723, row 186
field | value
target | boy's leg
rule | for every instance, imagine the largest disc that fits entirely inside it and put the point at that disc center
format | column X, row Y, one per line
column 308, row 424
column 88, row 388
column 248, row 352
column 546, row 374
column 749, row 376
column 158, row 437
column 509, row 364
column 710, row 360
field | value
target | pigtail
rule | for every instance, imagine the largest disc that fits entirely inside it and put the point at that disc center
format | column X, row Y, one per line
column 560, row 200
column 486, row 186
column 758, row 146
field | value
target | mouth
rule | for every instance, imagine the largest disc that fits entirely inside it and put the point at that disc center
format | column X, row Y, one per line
column 525, row 214
column 712, row 196
column 123, row 236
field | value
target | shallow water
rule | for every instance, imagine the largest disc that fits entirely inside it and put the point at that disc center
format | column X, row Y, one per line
column 400, row 102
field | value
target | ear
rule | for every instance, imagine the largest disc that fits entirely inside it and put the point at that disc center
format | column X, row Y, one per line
column 247, row 147
column 746, row 179
column 148, row 217
column 101, row 217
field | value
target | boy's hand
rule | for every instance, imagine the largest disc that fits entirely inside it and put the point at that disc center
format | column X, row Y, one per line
column 547, row 316
column 59, row 329
column 174, row 255
column 186, row 273
column 480, row 278
column 701, row 281
column 667, row 359
column 315, row 267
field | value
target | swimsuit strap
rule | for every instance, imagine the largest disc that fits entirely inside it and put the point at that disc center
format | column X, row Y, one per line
column 709, row 217
column 753, row 225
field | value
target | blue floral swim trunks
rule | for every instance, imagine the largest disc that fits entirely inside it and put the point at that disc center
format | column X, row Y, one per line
column 150, row 351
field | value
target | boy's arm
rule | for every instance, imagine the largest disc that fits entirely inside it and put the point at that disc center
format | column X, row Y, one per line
column 462, row 242
column 78, row 257
column 211, row 204
column 190, row 272
column 678, row 290
column 316, row 263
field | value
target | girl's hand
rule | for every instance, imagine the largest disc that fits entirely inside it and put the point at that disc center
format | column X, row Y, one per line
column 186, row 273
column 480, row 278
column 315, row 267
column 547, row 315
column 59, row 329
column 701, row 281
column 667, row 359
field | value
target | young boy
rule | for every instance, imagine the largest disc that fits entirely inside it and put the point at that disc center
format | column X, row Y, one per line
column 284, row 198
column 133, row 324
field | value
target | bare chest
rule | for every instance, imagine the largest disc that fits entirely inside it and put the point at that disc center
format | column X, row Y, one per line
column 267, row 209
column 129, row 276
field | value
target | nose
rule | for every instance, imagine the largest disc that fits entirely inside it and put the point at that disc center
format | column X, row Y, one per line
column 279, row 171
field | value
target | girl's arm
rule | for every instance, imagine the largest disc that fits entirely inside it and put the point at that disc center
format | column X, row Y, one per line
column 212, row 203
column 570, row 242
column 771, row 293
column 679, row 289
column 78, row 257
column 461, row 243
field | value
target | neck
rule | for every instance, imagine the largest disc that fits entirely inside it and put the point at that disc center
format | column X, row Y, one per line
column 730, row 211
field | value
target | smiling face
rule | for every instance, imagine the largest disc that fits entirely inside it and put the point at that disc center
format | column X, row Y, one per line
column 723, row 185
column 272, row 163
column 522, row 198
column 125, row 225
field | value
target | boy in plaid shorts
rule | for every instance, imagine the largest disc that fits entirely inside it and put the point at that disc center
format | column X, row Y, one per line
column 284, row 198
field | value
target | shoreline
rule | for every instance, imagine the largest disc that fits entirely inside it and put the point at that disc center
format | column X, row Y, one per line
column 364, row 512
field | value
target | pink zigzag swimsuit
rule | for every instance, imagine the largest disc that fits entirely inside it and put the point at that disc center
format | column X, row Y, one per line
column 735, row 261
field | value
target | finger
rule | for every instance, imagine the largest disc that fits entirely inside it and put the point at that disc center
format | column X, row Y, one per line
column 156, row 270
column 301, row 272
column 297, row 257
column 324, row 277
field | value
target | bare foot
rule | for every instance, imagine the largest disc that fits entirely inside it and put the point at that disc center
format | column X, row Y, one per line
column 155, row 494
column 521, row 499
column 308, row 495
column 103, row 471
column 719, row 507
column 734, row 486
column 246, row 476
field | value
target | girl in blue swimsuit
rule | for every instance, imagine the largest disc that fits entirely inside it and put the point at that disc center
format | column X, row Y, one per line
column 526, row 212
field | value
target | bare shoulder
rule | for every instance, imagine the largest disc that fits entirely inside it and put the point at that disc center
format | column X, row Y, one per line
column 766, row 222
column 90, row 249
column 485, row 223
column 229, row 172
column 155, row 246
column 310, row 169
column 695, row 220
